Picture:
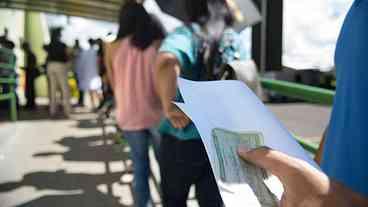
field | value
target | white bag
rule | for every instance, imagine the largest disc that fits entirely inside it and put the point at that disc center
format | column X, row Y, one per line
column 246, row 71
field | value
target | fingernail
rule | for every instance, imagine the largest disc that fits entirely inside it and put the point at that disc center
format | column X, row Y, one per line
column 243, row 149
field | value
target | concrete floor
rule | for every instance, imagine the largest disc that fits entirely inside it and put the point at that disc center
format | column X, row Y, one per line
column 63, row 163
column 303, row 120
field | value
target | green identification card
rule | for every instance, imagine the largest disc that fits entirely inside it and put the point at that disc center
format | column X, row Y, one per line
column 233, row 170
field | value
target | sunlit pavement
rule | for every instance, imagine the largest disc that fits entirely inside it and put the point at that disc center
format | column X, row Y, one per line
column 304, row 120
column 62, row 163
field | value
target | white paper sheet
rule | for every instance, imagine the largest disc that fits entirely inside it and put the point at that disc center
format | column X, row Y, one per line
column 232, row 105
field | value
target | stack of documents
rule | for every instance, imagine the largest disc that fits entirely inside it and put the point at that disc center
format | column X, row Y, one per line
column 228, row 114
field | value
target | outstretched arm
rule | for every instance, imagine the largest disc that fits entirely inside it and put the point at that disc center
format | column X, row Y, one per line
column 167, row 71
column 304, row 185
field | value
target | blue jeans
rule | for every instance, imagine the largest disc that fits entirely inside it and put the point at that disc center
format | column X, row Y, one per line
column 139, row 142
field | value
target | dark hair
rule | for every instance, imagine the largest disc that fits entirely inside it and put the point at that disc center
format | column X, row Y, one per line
column 56, row 34
column 25, row 46
column 134, row 21
column 91, row 41
column 76, row 43
column 213, row 16
column 99, row 43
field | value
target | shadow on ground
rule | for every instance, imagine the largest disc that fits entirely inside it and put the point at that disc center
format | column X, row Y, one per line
column 38, row 113
column 89, row 149
column 60, row 180
column 91, row 200
column 90, row 123
column 80, row 149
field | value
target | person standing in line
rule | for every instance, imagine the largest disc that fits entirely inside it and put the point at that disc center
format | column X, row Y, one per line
column 5, row 42
column 77, row 50
column 31, row 72
column 106, row 88
column 184, row 161
column 87, row 73
column 57, row 72
column 130, row 62
column 8, row 45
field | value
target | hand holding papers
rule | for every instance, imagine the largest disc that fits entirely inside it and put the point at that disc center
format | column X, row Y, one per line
column 234, row 170
column 226, row 114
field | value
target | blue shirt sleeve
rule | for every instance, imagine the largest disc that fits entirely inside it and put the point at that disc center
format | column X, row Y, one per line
column 345, row 151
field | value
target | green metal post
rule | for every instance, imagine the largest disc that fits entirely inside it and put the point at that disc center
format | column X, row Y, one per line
column 13, row 104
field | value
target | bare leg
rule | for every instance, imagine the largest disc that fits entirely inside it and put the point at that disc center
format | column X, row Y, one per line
column 92, row 100
column 95, row 98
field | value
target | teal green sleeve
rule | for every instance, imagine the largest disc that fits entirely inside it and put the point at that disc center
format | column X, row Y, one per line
column 179, row 43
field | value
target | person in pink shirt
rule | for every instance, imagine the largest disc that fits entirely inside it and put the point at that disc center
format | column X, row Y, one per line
column 130, row 62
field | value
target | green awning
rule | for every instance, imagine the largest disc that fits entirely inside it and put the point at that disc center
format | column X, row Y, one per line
column 106, row 10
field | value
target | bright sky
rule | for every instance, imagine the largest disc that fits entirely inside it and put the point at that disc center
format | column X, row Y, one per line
column 311, row 29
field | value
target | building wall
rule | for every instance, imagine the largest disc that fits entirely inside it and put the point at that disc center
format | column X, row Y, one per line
column 13, row 20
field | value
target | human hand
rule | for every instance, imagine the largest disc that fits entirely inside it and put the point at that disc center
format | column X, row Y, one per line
column 176, row 117
column 304, row 186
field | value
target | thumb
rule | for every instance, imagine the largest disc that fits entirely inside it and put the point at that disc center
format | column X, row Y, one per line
column 277, row 163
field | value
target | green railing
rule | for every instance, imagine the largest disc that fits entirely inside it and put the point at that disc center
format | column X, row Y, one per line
column 303, row 92
column 7, row 64
column 310, row 147
column 300, row 91
column 11, row 97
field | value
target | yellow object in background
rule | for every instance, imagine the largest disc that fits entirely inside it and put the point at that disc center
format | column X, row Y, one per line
column 41, row 86
column 74, row 92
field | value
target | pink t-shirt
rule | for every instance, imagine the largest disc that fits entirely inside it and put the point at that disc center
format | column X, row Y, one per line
column 137, row 104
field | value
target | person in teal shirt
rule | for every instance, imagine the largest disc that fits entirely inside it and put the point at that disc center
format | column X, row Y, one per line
column 183, row 159
column 184, row 45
